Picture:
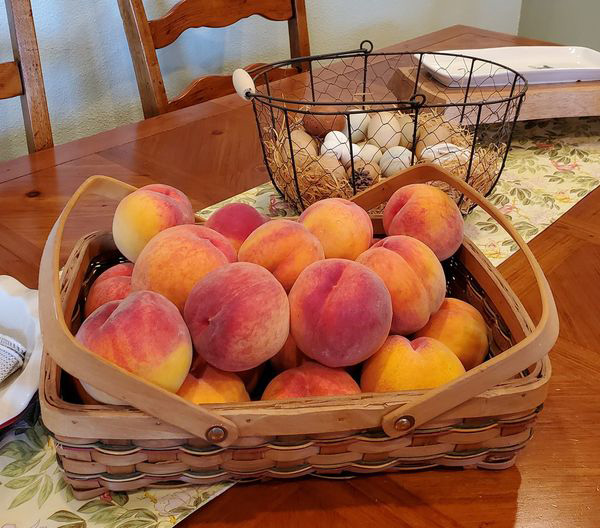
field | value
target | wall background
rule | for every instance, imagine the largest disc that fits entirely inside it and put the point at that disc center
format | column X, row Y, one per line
column 575, row 22
column 89, row 78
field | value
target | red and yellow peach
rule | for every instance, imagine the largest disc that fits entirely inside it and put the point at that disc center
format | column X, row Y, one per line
column 146, row 212
column 423, row 262
column 410, row 302
column 235, row 221
column 238, row 316
column 283, row 247
column 344, row 229
column 309, row 380
column 428, row 214
column 341, row 312
column 113, row 284
column 144, row 334
column 462, row 329
column 212, row 385
column 400, row 365
column 177, row 258
column 413, row 276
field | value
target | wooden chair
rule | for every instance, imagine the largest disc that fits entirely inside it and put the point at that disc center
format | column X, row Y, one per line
column 23, row 76
column 146, row 36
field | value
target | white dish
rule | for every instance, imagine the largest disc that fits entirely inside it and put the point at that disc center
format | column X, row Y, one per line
column 19, row 320
column 538, row 64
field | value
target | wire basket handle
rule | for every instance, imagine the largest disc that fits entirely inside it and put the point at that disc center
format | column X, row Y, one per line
column 80, row 362
column 433, row 403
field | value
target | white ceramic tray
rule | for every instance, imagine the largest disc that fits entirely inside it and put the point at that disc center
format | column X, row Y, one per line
column 19, row 320
column 538, row 64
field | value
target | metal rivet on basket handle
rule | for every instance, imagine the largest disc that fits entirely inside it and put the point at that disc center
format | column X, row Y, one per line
column 435, row 402
column 87, row 366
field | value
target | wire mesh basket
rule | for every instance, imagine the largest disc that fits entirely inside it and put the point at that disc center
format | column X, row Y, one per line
column 332, row 125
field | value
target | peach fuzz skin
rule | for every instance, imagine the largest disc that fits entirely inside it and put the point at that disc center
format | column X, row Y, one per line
column 143, row 334
column 212, row 385
column 344, row 229
column 428, row 214
column 310, row 380
column 423, row 262
column 238, row 316
column 462, row 329
column 410, row 302
column 250, row 377
column 235, row 222
column 341, row 312
column 400, row 364
column 177, row 258
column 283, row 247
column 146, row 212
column 113, row 284
column 288, row 357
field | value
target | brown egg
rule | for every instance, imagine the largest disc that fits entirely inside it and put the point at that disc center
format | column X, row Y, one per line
column 432, row 135
column 319, row 125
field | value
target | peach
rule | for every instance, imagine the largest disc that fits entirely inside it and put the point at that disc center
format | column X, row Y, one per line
column 341, row 312
column 113, row 284
column 144, row 334
column 238, row 316
column 462, row 329
column 288, row 357
column 177, row 258
column 235, row 221
column 426, row 213
column 213, row 386
column 310, row 379
column 413, row 276
column 400, row 364
column 344, row 229
column 410, row 302
column 283, row 247
column 146, row 212
column 423, row 262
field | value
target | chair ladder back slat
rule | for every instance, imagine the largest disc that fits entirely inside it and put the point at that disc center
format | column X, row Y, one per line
column 189, row 14
column 10, row 80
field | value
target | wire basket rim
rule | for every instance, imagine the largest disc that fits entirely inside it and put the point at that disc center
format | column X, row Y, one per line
column 517, row 81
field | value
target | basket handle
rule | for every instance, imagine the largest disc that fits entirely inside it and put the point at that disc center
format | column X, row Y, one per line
column 87, row 366
column 433, row 403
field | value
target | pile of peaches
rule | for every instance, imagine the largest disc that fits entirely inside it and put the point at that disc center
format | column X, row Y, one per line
column 315, row 305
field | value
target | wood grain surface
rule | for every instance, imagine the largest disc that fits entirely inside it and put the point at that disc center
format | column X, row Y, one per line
column 38, row 130
column 211, row 151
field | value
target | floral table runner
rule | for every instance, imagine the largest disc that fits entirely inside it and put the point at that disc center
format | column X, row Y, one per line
column 551, row 166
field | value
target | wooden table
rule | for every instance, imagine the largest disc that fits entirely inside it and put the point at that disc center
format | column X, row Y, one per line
column 211, row 152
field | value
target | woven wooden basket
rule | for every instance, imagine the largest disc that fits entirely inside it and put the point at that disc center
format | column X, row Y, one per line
column 479, row 420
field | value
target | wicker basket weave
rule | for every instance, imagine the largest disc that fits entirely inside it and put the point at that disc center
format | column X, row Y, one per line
column 479, row 420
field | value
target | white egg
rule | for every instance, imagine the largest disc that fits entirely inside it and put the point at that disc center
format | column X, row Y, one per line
column 444, row 153
column 384, row 130
column 337, row 143
column 358, row 124
column 394, row 160
column 367, row 153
